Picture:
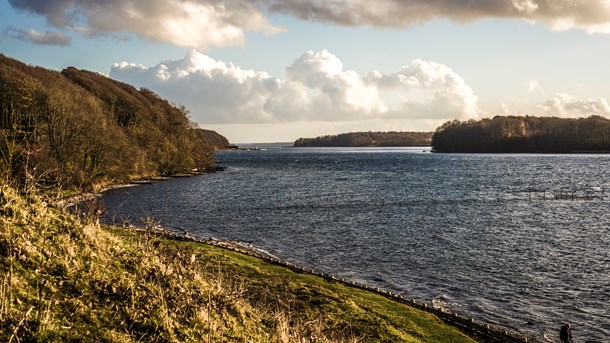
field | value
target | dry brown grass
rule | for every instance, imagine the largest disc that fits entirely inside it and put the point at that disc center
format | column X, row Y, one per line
column 70, row 279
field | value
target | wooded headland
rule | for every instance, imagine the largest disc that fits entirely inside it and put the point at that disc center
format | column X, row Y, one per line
column 364, row 139
column 513, row 134
column 78, row 128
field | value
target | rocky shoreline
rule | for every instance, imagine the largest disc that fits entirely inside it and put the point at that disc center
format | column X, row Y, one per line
column 482, row 332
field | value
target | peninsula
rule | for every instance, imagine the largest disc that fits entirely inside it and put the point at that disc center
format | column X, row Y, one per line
column 516, row 134
column 366, row 139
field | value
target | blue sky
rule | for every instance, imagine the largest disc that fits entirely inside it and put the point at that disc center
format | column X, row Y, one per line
column 275, row 70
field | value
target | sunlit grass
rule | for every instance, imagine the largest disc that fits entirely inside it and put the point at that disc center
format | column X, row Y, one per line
column 64, row 278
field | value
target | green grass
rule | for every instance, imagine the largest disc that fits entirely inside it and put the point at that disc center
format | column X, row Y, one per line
column 69, row 279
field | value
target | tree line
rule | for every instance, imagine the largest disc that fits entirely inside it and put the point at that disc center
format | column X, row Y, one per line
column 364, row 139
column 78, row 128
column 524, row 134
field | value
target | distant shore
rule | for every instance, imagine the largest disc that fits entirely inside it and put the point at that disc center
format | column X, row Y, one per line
column 368, row 139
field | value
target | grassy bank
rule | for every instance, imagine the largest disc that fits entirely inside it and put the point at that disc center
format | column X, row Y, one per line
column 63, row 278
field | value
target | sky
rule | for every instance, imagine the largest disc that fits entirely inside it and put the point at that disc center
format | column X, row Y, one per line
column 275, row 71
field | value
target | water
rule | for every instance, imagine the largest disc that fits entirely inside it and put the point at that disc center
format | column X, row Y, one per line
column 516, row 240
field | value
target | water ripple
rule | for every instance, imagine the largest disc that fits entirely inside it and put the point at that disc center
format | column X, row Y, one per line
column 515, row 240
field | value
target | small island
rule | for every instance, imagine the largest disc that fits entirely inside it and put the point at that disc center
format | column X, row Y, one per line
column 368, row 139
column 524, row 134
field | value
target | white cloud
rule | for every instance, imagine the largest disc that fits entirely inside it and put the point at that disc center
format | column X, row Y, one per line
column 533, row 86
column 338, row 91
column 591, row 15
column 428, row 90
column 204, row 23
column 506, row 110
column 37, row 37
column 565, row 105
column 214, row 90
column 527, row 7
column 315, row 88
column 191, row 23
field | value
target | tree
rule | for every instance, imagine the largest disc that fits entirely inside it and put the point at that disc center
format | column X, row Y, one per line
column 524, row 134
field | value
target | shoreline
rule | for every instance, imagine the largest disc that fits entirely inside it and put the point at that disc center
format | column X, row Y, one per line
column 73, row 200
column 479, row 331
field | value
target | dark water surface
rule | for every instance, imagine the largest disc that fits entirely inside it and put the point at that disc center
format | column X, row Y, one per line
column 517, row 240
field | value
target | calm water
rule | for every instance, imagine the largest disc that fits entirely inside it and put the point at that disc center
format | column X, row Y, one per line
column 517, row 240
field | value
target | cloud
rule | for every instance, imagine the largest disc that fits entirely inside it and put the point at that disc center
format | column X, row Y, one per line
column 591, row 15
column 205, row 23
column 506, row 110
column 37, row 37
column 565, row 105
column 533, row 86
column 338, row 91
column 430, row 90
column 215, row 91
column 315, row 88
column 191, row 23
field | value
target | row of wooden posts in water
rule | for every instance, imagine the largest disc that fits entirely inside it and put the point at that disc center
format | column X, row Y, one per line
column 366, row 202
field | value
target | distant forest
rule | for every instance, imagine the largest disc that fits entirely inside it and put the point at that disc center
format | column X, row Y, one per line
column 363, row 139
column 78, row 128
column 512, row 134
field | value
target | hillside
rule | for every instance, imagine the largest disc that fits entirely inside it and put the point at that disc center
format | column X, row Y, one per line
column 78, row 129
column 213, row 138
column 363, row 139
column 70, row 279
column 524, row 135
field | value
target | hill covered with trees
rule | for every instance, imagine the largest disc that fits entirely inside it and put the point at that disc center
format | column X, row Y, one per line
column 213, row 138
column 79, row 128
column 363, row 139
column 512, row 134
